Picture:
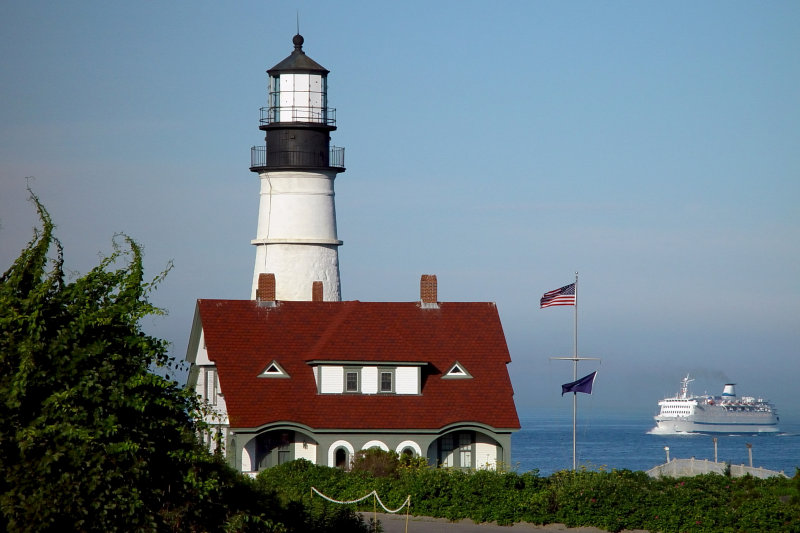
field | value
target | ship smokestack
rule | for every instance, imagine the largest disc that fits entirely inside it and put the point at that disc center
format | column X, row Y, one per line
column 729, row 390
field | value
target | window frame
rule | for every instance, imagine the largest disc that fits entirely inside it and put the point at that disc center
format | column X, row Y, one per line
column 279, row 371
column 357, row 372
column 466, row 449
column 391, row 372
column 463, row 373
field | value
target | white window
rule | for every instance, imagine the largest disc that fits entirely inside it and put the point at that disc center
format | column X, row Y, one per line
column 465, row 450
column 446, row 450
column 210, row 386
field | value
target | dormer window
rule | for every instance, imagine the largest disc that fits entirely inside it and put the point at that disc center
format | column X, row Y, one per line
column 457, row 371
column 367, row 377
column 386, row 381
column 351, row 380
column 274, row 370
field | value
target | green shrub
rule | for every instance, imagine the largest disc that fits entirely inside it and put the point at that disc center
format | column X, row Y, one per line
column 613, row 501
column 377, row 462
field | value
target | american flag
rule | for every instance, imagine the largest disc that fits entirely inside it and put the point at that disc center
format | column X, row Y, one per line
column 563, row 296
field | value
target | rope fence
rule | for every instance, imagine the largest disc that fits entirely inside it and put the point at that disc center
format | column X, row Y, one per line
column 376, row 501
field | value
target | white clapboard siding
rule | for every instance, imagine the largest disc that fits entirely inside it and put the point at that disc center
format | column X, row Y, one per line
column 332, row 379
column 485, row 456
column 369, row 380
column 303, row 450
column 406, row 380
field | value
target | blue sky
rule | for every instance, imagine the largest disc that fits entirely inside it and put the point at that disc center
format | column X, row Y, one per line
column 653, row 147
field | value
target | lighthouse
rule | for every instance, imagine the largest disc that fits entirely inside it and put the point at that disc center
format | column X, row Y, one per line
column 296, row 238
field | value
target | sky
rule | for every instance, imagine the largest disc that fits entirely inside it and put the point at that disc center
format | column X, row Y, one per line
column 652, row 147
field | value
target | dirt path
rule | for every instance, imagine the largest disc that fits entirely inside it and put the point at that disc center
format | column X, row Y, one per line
column 418, row 524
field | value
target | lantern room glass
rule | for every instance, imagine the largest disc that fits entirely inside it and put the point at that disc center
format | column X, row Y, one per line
column 298, row 97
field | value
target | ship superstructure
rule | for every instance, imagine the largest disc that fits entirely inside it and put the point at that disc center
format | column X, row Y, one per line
column 727, row 413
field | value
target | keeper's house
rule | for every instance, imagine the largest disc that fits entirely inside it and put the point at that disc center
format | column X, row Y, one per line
column 321, row 380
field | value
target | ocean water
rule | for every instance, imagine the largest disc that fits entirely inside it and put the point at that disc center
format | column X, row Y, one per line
column 621, row 441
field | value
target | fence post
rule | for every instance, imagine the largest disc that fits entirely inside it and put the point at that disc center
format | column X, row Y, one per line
column 408, row 510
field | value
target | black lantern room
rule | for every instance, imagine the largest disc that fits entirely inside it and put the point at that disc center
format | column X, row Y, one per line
column 297, row 120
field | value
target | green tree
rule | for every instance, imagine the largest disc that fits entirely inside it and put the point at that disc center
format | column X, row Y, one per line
column 90, row 438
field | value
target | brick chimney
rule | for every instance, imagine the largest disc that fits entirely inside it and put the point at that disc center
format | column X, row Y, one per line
column 265, row 294
column 316, row 291
column 428, row 291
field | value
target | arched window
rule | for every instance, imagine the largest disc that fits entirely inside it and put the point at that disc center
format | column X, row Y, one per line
column 408, row 447
column 341, row 458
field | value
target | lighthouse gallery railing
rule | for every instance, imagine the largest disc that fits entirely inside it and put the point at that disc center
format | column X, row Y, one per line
column 258, row 158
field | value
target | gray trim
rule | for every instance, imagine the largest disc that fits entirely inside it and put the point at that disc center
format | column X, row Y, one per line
column 378, row 431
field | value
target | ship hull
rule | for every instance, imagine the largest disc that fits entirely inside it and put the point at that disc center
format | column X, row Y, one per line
column 671, row 426
column 718, row 419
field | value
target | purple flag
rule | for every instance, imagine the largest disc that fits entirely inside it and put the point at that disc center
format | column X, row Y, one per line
column 582, row 385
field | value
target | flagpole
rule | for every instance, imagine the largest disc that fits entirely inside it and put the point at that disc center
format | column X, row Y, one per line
column 560, row 297
column 574, row 378
column 575, row 343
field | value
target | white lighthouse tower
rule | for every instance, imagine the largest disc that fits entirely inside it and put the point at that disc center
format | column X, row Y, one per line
column 296, row 238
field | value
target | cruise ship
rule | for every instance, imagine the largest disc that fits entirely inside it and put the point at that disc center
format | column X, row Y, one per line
column 686, row 413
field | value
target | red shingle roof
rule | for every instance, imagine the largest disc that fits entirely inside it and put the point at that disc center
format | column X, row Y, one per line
column 242, row 338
